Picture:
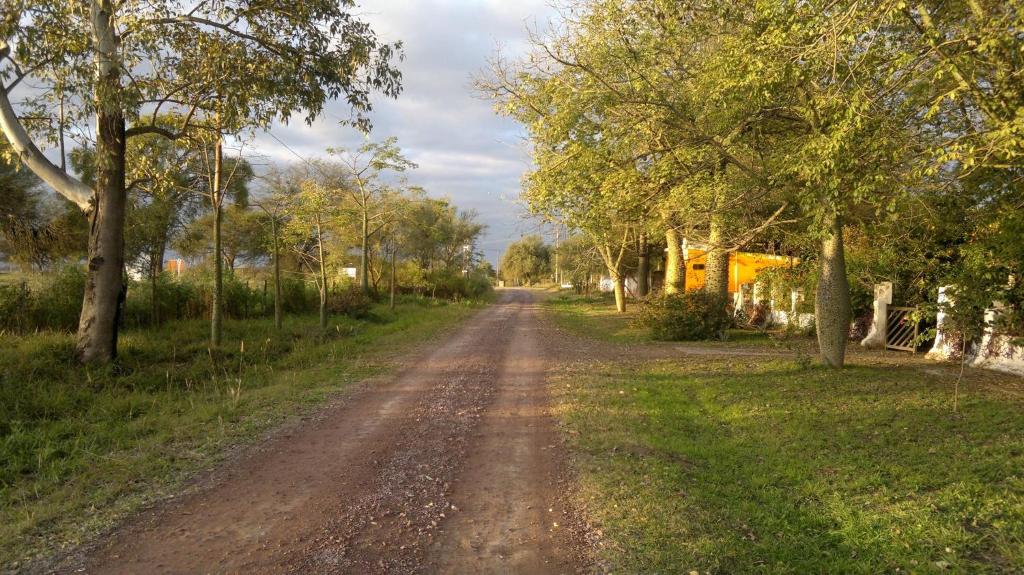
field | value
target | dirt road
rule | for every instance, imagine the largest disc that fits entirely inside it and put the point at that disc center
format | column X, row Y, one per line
column 452, row 466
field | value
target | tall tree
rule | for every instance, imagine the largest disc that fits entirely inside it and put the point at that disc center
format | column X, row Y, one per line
column 123, row 63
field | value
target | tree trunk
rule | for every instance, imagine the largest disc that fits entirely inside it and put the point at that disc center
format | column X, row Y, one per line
column 323, row 275
column 832, row 299
column 675, row 271
column 643, row 269
column 278, row 312
column 104, row 284
column 216, row 318
column 156, row 267
column 716, row 262
column 394, row 252
column 154, row 303
column 620, row 293
column 613, row 263
column 558, row 270
column 364, row 280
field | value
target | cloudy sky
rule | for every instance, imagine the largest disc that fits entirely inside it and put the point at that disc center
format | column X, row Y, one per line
column 464, row 151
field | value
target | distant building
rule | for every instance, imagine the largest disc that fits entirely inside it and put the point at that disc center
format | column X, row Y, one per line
column 743, row 267
column 743, row 270
column 175, row 267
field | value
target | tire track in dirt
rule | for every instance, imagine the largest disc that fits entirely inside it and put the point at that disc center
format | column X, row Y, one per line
column 514, row 518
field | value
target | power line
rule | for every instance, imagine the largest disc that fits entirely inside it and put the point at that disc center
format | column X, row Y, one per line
column 294, row 153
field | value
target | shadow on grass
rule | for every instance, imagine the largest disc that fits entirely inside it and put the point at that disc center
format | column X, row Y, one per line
column 82, row 446
column 738, row 468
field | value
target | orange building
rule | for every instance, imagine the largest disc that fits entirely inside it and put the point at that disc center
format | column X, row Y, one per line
column 174, row 267
column 743, row 267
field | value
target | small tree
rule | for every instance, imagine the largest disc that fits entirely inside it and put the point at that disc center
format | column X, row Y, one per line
column 310, row 213
column 368, row 192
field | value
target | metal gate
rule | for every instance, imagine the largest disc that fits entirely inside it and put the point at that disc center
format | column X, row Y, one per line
column 901, row 330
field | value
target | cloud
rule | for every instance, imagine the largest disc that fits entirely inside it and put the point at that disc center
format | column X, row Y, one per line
column 465, row 152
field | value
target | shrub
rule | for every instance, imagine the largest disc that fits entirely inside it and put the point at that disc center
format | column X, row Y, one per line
column 760, row 316
column 690, row 316
column 175, row 300
column 241, row 300
column 14, row 300
column 296, row 296
column 58, row 304
column 350, row 301
column 448, row 284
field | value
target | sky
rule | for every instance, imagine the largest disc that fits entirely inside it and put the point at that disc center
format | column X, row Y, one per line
column 465, row 152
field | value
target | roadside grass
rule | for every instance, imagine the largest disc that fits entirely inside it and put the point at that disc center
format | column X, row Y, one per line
column 754, row 465
column 82, row 447
column 595, row 316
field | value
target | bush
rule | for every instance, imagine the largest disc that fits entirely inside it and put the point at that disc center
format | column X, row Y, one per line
column 760, row 316
column 452, row 285
column 59, row 304
column 56, row 305
column 690, row 316
column 350, row 301
column 242, row 301
column 296, row 296
column 14, row 300
column 175, row 300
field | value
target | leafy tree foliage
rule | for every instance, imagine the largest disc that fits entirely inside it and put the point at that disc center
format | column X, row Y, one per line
column 222, row 66
column 792, row 125
column 526, row 261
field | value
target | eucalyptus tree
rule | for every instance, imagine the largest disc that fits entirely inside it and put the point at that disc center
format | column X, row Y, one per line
column 221, row 184
column 225, row 66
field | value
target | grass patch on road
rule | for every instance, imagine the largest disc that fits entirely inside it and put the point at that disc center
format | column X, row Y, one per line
column 749, row 465
column 82, row 447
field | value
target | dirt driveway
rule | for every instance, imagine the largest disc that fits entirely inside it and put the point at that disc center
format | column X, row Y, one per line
column 452, row 466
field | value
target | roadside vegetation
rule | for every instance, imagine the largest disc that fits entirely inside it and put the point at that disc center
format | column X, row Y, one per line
column 865, row 142
column 593, row 316
column 765, row 464
column 84, row 446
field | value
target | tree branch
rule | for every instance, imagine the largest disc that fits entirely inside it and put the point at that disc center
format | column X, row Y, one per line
column 33, row 158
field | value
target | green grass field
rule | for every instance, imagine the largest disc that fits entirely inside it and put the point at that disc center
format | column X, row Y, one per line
column 82, row 447
column 759, row 465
